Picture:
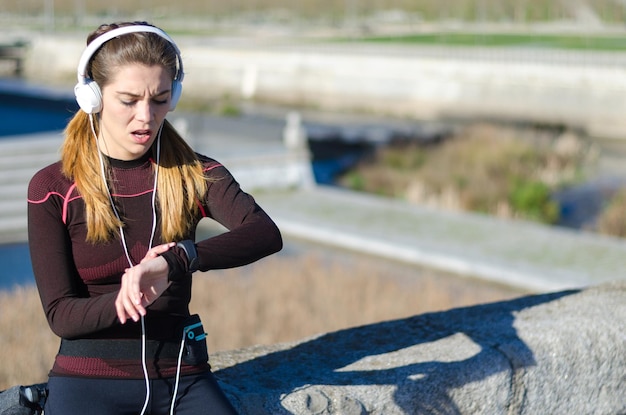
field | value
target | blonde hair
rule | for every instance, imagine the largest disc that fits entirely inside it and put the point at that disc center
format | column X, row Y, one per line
column 181, row 181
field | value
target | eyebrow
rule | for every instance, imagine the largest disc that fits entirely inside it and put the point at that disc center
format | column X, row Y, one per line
column 130, row 94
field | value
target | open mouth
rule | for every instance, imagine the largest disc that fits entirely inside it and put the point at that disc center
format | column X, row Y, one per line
column 141, row 135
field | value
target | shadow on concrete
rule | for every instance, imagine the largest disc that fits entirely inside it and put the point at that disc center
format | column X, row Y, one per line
column 422, row 385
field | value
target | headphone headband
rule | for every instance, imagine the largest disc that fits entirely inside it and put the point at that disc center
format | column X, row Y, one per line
column 95, row 44
column 88, row 94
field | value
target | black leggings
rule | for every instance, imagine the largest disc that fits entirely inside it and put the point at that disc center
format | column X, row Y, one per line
column 197, row 394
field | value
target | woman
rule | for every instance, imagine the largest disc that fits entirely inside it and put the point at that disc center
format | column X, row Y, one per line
column 112, row 230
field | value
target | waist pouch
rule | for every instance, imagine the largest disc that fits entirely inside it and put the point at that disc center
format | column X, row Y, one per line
column 194, row 353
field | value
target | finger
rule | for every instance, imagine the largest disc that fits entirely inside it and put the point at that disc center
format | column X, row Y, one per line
column 131, row 281
column 156, row 251
column 133, row 310
column 139, row 306
column 122, row 307
column 159, row 249
column 126, row 305
column 130, row 297
column 119, row 303
column 119, row 309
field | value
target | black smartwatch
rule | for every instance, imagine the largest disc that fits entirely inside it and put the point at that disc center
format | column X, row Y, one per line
column 192, row 255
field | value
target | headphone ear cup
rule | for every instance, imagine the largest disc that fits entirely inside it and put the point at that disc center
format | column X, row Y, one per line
column 177, row 90
column 88, row 96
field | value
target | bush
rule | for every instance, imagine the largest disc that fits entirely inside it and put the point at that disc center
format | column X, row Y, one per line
column 533, row 200
column 498, row 170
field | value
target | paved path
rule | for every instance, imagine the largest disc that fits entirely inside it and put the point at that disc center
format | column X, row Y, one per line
column 521, row 254
column 20, row 158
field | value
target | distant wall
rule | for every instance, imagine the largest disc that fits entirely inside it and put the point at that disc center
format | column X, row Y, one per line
column 586, row 91
column 557, row 353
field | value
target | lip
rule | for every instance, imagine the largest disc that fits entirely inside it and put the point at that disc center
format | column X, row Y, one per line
column 141, row 136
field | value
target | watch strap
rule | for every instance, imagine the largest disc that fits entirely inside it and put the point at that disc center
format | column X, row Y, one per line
column 189, row 247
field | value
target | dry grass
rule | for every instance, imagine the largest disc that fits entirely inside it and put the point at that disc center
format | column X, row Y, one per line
column 281, row 298
column 26, row 342
column 506, row 171
column 612, row 220
column 284, row 11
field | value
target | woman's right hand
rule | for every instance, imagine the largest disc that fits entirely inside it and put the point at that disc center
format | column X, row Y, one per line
column 142, row 284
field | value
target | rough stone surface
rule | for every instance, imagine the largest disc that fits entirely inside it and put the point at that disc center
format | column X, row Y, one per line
column 555, row 353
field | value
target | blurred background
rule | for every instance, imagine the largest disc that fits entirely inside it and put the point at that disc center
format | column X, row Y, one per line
column 511, row 109
column 577, row 16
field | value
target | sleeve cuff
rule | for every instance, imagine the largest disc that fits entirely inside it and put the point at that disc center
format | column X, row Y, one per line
column 177, row 265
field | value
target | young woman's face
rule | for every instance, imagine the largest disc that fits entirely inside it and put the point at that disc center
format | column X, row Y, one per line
column 134, row 104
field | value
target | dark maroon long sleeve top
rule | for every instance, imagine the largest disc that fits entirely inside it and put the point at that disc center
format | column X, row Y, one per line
column 78, row 281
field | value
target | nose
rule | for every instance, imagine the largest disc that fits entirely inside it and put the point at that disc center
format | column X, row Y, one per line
column 145, row 110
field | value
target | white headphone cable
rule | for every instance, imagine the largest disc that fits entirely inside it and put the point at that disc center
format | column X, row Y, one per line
column 123, row 239
column 144, row 366
column 154, row 222
column 178, row 367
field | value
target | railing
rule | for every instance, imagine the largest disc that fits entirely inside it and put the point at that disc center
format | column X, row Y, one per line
column 14, row 52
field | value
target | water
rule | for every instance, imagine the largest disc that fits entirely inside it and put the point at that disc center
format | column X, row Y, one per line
column 27, row 109
column 16, row 268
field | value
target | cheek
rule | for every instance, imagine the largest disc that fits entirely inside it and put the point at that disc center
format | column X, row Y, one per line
column 161, row 113
column 115, row 110
column 115, row 119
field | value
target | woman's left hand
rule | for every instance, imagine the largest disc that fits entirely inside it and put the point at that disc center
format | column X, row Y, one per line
column 142, row 284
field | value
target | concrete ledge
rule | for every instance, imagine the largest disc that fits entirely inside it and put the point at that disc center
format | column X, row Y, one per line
column 583, row 90
column 555, row 353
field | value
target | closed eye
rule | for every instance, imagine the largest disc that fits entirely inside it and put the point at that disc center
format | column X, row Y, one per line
column 160, row 99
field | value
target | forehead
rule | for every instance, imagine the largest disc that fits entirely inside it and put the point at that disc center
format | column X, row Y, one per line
column 139, row 75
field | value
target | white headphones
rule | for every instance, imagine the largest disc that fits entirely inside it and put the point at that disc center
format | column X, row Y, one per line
column 88, row 93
